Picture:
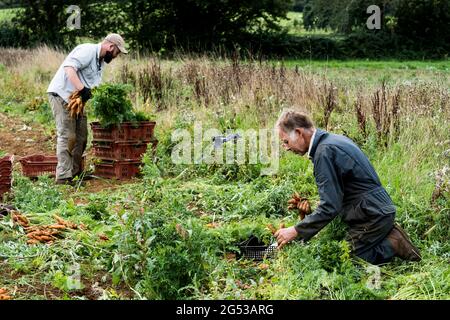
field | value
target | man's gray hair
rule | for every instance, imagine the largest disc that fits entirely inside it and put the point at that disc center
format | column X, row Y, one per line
column 290, row 120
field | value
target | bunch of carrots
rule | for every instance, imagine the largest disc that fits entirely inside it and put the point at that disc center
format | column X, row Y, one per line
column 300, row 203
column 76, row 104
column 46, row 233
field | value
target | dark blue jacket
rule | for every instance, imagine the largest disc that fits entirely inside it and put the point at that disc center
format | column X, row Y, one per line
column 348, row 186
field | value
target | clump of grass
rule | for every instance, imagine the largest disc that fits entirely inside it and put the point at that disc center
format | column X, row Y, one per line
column 386, row 114
column 39, row 196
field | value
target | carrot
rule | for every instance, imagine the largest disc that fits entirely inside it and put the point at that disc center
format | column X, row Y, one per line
column 103, row 237
column 212, row 225
column 57, row 226
column 68, row 224
column 31, row 235
column 19, row 219
column 59, row 219
column 46, row 238
column 271, row 228
column 263, row 266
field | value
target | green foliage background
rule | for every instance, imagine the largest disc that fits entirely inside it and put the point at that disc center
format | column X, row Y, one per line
column 410, row 29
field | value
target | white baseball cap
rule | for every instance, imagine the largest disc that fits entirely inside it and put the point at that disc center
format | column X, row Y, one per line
column 117, row 40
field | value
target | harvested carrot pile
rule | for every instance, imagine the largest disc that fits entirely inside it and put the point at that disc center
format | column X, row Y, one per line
column 20, row 219
column 76, row 104
column 46, row 233
column 4, row 295
column 41, row 235
column 300, row 203
column 68, row 224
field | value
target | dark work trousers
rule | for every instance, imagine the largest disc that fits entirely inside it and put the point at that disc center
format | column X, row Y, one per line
column 379, row 249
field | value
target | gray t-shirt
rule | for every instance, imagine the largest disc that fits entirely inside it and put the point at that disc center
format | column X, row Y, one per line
column 85, row 59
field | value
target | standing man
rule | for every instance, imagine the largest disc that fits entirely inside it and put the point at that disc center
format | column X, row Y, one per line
column 348, row 186
column 80, row 71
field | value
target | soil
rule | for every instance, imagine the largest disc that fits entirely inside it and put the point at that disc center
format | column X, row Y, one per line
column 23, row 139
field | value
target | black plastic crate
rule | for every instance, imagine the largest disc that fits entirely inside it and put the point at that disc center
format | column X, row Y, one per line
column 253, row 248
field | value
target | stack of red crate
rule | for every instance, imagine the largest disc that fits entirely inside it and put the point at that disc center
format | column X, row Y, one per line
column 6, row 164
column 120, row 148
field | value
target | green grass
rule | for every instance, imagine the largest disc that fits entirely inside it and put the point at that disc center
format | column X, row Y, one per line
column 363, row 65
column 358, row 72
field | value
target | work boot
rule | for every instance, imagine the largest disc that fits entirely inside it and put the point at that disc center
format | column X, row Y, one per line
column 402, row 245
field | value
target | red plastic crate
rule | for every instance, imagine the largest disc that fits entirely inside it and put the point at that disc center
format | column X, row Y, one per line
column 6, row 163
column 127, row 131
column 38, row 164
column 4, row 189
column 5, row 180
column 5, row 173
column 107, row 150
column 121, row 170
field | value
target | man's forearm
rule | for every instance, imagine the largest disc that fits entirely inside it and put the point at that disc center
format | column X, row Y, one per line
column 73, row 78
column 313, row 223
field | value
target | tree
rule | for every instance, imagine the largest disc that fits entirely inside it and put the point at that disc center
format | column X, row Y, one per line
column 196, row 24
column 322, row 14
column 45, row 21
column 299, row 5
column 155, row 24
column 427, row 21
